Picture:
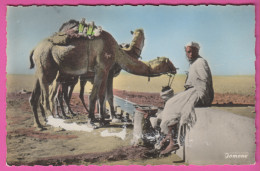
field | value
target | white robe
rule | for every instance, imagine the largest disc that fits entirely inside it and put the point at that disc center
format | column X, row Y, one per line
column 180, row 108
column 200, row 78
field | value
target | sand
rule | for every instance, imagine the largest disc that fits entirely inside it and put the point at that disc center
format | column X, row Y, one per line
column 57, row 146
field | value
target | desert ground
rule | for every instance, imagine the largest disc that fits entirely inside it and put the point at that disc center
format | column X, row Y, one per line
column 56, row 146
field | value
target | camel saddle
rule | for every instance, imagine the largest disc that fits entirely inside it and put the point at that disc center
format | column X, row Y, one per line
column 63, row 38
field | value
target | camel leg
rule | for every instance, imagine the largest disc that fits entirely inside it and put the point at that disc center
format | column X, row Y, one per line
column 44, row 84
column 109, row 93
column 56, row 109
column 103, row 108
column 67, row 93
column 61, row 93
column 67, row 98
column 101, row 96
column 102, row 111
column 71, row 88
column 34, row 101
column 81, row 94
column 55, row 100
column 43, row 113
column 53, row 96
column 99, row 88
column 46, row 73
column 92, row 103
column 98, row 106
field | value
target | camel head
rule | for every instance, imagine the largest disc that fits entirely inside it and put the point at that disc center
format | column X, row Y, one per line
column 138, row 39
column 162, row 65
column 137, row 44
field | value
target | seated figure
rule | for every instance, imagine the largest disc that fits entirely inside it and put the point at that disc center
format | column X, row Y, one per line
column 179, row 110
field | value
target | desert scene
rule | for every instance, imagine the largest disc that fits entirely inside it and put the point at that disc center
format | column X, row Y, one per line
column 110, row 116
column 57, row 146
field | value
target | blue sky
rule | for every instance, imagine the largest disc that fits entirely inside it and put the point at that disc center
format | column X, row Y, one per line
column 226, row 33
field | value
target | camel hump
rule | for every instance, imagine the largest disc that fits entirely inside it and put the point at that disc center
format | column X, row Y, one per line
column 63, row 50
column 60, row 38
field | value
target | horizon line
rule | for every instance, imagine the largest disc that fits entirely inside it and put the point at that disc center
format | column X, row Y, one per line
column 182, row 74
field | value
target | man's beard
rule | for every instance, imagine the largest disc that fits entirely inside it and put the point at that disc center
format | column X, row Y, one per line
column 192, row 59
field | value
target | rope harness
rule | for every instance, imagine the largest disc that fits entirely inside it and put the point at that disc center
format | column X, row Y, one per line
column 171, row 78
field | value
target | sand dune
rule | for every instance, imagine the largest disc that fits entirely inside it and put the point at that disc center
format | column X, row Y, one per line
column 244, row 85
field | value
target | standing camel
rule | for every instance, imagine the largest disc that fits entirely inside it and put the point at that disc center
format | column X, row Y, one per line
column 79, row 57
column 68, row 82
column 61, row 89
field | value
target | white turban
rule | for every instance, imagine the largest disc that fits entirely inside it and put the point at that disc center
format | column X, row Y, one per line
column 193, row 44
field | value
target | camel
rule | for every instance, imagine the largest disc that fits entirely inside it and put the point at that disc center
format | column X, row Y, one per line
column 80, row 56
column 62, row 89
column 67, row 82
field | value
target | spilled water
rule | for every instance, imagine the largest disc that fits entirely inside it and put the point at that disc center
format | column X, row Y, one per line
column 121, row 134
column 60, row 123
column 124, row 105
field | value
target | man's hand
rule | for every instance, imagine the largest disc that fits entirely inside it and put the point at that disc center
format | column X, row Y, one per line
column 187, row 87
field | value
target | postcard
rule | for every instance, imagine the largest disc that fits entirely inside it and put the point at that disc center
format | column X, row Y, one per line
column 130, row 85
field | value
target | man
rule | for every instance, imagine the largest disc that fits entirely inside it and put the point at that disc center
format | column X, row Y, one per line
column 179, row 109
column 199, row 74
